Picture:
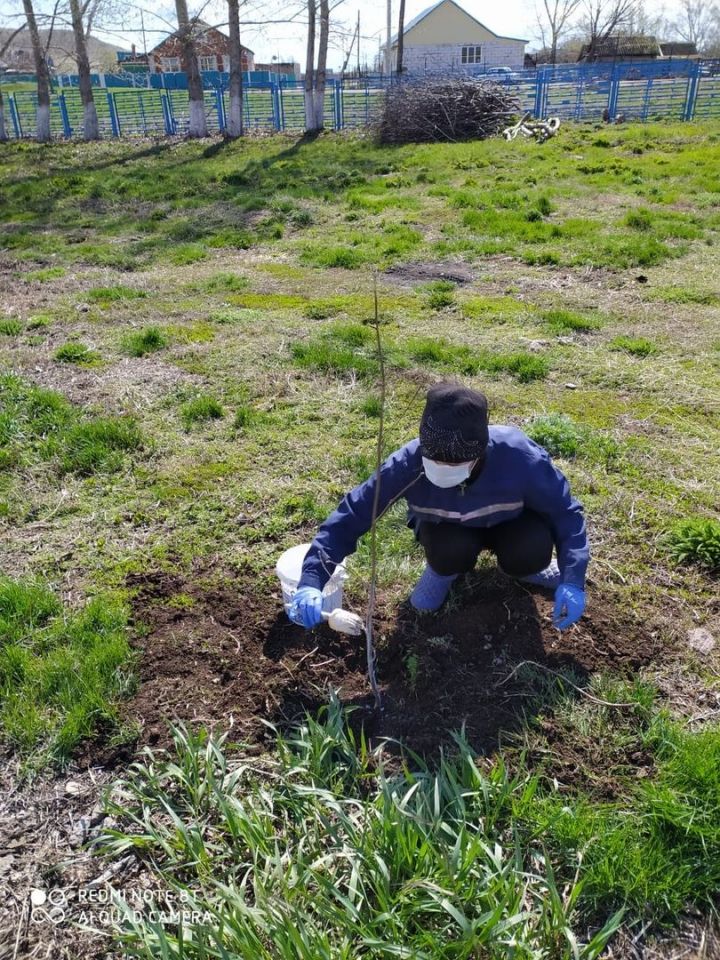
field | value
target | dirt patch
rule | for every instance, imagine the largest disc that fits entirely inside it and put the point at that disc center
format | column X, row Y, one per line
column 227, row 656
column 410, row 274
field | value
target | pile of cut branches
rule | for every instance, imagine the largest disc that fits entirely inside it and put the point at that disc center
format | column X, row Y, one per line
column 445, row 109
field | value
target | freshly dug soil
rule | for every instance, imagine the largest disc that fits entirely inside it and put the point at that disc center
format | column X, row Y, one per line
column 227, row 656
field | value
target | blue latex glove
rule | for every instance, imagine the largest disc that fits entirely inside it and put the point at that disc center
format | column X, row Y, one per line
column 306, row 607
column 569, row 605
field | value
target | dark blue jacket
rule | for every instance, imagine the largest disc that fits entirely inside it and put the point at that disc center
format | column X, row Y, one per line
column 517, row 474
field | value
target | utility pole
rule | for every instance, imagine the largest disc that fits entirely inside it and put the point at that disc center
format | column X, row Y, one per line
column 389, row 37
column 358, row 44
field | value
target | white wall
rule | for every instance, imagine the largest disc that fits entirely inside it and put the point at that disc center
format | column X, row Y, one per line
column 447, row 57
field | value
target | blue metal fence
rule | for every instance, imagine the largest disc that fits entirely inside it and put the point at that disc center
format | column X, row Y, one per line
column 677, row 90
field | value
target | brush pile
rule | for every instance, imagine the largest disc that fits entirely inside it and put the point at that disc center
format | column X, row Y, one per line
column 445, row 109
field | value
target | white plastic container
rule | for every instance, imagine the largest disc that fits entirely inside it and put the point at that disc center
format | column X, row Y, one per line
column 289, row 568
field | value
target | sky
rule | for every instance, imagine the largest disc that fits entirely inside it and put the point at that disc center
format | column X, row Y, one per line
column 286, row 41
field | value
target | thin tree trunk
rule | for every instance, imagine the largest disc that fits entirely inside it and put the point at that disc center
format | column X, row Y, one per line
column 235, row 117
column 3, row 129
column 310, row 67
column 320, row 76
column 91, row 130
column 42, row 132
column 401, row 37
column 198, row 123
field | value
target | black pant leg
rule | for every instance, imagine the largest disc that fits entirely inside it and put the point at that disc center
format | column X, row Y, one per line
column 451, row 548
column 522, row 546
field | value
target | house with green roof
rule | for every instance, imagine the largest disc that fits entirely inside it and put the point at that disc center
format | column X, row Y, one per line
column 446, row 39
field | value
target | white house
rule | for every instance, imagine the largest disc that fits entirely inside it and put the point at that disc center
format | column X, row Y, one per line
column 444, row 38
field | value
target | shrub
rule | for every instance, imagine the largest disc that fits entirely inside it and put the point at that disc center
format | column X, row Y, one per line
column 200, row 409
column 638, row 346
column 141, row 342
column 77, row 353
column 696, row 541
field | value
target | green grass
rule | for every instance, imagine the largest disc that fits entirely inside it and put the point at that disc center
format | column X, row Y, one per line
column 383, row 864
column 201, row 409
column 62, row 672
column 114, row 294
column 562, row 436
column 637, row 346
column 10, row 327
column 569, row 321
column 78, row 354
column 100, row 445
column 141, row 342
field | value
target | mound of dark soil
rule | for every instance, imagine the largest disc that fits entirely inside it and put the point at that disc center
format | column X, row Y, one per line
column 228, row 656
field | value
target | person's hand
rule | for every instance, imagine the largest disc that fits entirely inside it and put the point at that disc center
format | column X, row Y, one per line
column 569, row 605
column 306, row 607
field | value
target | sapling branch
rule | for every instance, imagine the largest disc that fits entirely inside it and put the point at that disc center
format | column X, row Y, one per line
column 370, row 646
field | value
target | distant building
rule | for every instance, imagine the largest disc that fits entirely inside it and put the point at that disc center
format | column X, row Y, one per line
column 444, row 38
column 679, row 49
column 609, row 49
column 212, row 46
column 284, row 69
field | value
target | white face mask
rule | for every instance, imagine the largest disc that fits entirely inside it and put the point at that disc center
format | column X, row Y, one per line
column 447, row 475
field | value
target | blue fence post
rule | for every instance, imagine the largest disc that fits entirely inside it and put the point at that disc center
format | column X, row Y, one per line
column 15, row 116
column 540, row 83
column 222, row 121
column 167, row 118
column 114, row 120
column 613, row 95
column 339, row 118
column 692, row 92
column 277, row 119
column 64, row 116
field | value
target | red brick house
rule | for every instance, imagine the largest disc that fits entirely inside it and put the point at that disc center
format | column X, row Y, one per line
column 213, row 50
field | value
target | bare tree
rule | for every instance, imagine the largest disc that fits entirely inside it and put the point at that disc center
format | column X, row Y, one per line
column 698, row 22
column 191, row 67
column 91, row 130
column 602, row 18
column 235, row 120
column 310, row 67
column 42, row 126
column 401, row 37
column 554, row 18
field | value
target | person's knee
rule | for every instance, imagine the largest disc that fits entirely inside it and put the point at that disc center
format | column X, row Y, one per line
column 526, row 549
column 449, row 551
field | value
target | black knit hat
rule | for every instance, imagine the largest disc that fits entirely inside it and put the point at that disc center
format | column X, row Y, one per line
column 454, row 424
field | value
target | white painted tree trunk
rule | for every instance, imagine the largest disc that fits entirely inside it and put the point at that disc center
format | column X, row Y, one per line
column 310, row 68
column 322, row 65
column 235, row 113
column 91, row 127
column 198, row 122
column 43, row 123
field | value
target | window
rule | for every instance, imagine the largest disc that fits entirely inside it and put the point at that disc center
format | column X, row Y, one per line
column 171, row 64
column 472, row 54
column 208, row 63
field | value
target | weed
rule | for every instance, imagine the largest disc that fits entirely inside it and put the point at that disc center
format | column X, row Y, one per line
column 43, row 276
column 525, row 367
column 344, row 348
column 10, row 327
column 77, row 353
column 558, row 434
column 39, row 322
column 696, row 541
column 201, row 409
column 439, row 294
column 637, row 346
column 371, row 406
column 114, row 294
column 187, row 253
column 98, row 446
column 569, row 321
column 141, row 342
column 411, row 662
column 320, row 310
column 220, row 283
column 639, row 220
column 348, row 258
